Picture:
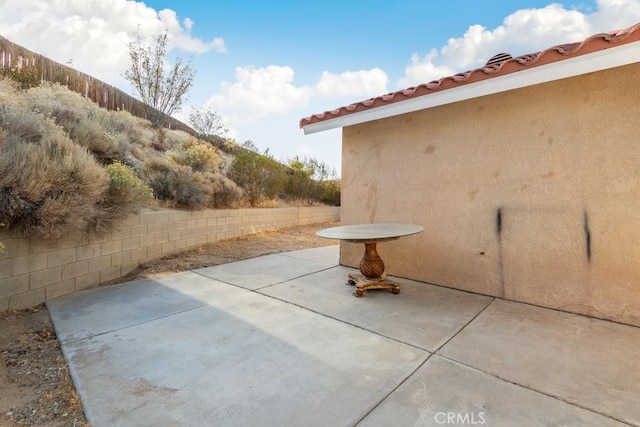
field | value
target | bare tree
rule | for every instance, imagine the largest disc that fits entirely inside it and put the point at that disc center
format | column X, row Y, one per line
column 162, row 90
column 207, row 122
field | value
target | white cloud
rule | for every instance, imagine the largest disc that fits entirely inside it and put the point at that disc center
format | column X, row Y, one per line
column 614, row 14
column 353, row 83
column 258, row 92
column 524, row 31
column 424, row 70
column 94, row 35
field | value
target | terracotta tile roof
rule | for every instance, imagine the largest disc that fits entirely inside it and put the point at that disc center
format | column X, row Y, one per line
column 499, row 65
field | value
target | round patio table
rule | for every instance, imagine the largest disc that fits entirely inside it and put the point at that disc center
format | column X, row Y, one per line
column 371, row 265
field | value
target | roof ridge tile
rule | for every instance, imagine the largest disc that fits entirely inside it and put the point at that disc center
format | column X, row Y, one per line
column 555, row 53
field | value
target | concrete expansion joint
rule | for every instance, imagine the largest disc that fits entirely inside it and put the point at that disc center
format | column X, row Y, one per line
column 219, row 280
column 293, row 278
column 464, row 326
column 393, row 390
column 133, row 325
column 554, row 396
column 340, row 320
column 266, row 286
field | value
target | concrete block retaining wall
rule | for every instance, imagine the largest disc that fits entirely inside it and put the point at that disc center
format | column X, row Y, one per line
column 33, row 271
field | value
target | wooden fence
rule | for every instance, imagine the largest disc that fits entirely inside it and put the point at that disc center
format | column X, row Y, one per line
column 103, row 94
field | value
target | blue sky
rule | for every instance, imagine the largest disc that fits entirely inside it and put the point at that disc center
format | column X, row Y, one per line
column 265, row 65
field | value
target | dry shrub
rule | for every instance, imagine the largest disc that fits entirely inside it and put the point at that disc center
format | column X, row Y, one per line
column 270, row 203
column 177, row 137
column 159, row 141
column 138, row 153
column 88, row 133
column 163, row 139
column 26, row 127
column 177, row 185
column 8, row 90
column 176, row 155
column 122, row 150
column 80, row 117
column 59, row 102
column 118, row 122
column 124, row 128
column 202, row 157
column 50, row 186
column 227, row 194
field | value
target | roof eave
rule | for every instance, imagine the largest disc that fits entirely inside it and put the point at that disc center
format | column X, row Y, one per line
column 600, row 60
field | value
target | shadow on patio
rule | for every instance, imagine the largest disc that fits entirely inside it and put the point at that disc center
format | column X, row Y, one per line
column 280, row 340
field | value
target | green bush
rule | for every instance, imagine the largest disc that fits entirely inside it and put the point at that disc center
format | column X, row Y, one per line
column 312, row 181
column 126, row 187
column 260, row 176
column 25, row 76
column 301, row 186
column 331, row 192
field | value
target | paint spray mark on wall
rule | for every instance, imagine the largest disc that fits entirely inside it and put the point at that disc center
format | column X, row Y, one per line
column 500, row 266
column 587, row 234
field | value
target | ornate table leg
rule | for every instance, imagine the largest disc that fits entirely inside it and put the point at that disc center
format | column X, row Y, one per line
column 372, row 269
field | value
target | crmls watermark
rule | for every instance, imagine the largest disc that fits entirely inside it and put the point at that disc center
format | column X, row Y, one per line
column 466, row 418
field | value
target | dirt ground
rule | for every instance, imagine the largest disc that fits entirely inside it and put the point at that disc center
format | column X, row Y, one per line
column 35, row 385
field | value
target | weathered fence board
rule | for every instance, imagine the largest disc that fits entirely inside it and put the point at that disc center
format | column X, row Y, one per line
column 103, row 94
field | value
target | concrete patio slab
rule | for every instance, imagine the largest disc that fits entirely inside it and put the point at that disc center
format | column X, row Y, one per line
column 235, row 358
column 422, row 315
column 590, row 363
column 264, row 271
column 187, row 349
column 326, row 255
column 443, row 392
column 83, row 315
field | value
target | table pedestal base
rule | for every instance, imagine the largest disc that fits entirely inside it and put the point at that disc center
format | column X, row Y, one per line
column 363, row 284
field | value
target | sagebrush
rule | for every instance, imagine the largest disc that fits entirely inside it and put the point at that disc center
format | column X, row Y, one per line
column 66, row 164
column 48, row 184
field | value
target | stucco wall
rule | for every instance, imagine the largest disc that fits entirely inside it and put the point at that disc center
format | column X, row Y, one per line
column 32, row 271
column 531, row 195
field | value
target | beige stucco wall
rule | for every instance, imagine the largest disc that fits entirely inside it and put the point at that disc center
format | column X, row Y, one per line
column 531, row 195
column 33, row 271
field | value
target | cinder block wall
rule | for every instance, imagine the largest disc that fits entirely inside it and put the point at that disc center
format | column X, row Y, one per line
column 33, row 271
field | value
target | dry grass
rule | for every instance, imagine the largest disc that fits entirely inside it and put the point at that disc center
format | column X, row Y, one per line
column 34, row 377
